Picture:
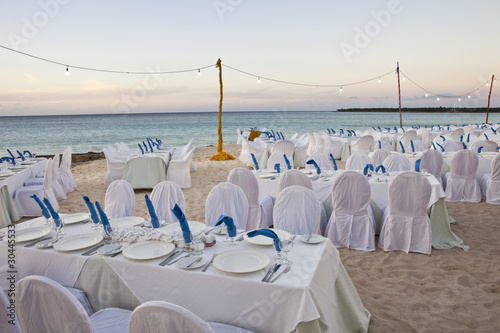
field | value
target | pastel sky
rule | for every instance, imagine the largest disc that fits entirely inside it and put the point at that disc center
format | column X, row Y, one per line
column 447, row 47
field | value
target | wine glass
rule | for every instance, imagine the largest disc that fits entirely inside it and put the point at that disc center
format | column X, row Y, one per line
column 58, row 227
column 196, row 245
column 286, row 246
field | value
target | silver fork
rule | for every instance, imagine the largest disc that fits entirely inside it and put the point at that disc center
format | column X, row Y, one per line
column 286, row 270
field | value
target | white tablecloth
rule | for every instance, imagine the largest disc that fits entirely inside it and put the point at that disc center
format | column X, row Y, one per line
column 316, row 295
column 145, row 171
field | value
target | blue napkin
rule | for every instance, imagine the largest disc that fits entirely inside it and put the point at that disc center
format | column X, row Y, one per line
column 22, row 156
column 10, row 153
column 277, row 167
column 368, row 166
column 493, row 130
column 379, row 144
column 341, row 131
column 318, row 170
column 329, row 131
column 231, row 229
column 442, row 149
column 380, row 130
column 417, row 165
column 274, row 135
column 380, row 167
column 53, row 213
column 433, row 145
column 90, row 206
column 486, row 137
column 288, row 166
column 404, row 131
column 282, row 136
column 463, row 144
column 468, row 138
column 461, row 138
column 255, row 161
column 154, row 219
column 186, row 233
column 150, row 146
column 45, row 211
column 142, row 150
column 479, row 149
column 29, row 153
column 145, row 147
column 412, row 146
column 268, row 233
column 333, row 132
column 334, row 164
column 444, row 139
column 104, row 219
column 9, row 159
column 395, row 129
column 402, row 147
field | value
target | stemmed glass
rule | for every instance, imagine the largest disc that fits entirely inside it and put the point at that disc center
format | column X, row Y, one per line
column 196, row 245
column 58, row 227
column 286, row 246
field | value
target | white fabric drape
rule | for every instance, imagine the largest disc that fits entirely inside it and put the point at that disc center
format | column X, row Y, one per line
column 357, row 161
column 230, row 200
column 120, row 199
column 432, row 161
column 379, row 155
column 462, row 185
column 493, row 184
column 164, row 197
column 397, row 162
column 179, row 169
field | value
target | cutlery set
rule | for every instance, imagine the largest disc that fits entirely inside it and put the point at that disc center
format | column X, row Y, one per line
column 268, row 278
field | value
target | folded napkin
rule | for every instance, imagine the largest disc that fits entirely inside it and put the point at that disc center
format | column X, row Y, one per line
column 186, row 233
column 10, row 153
column 20, row 155
column 479, row 149
column 379, row 144
column 329, row 131
column 369, row 166
column 255, row 161
column 277, row 167
column 486, row 137
column 90, row 206
column 444, row 139
column 402, row 147
column 334, row 163
column 461, row 138
column 433, row 145
column 442, row 149
column 29, row 153
column 468, row 138
column 464, row 146
column 53, row 213
column 142, row 150
column 333, row 132
column 380, row 167
column 412, row 146
column 288, row 166
column 45, row 211
column 231, row 228
column 318, row 170
column 145, row 147
column 154, row 219
column 493, row 130
column 404, row 131
column 417, row 165
column 341, row 131
column 380, row 130
column 268, row 233
column 8, row 159
column 150, row 145
column 104, row 219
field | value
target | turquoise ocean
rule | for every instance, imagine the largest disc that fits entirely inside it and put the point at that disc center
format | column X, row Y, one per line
column 46, row 135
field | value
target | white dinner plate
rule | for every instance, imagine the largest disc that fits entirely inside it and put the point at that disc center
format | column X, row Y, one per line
column 127, row 221
column 194, row 226
column 28, row 162
column 18, row 168
column 32, row 233
column 77, row 242
column 265, row 175
column 268, row 170
column 314, row 239
column 148, row 250
column 241, row 261
column 263, row 240
column 185, row 262
column 75, row 218
column 7, row 173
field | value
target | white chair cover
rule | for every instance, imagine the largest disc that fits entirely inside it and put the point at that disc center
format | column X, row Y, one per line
column 300, row 155
column 294, row 177
column 120, row 199
column 122, row 147
column 426, row 137
column 332, row 147
column 352, row 223
column 116, row 163
column 480, row 143
column 493, row 184
column 432, row 161
column 297, row 210
column 382, row 144
column 456, row 134
column 164, row 197
column 279, row 158
column 183, row 149
column 319, row 143
column 379, row 155
column 322, row 160
column 248, row 148
column 406, row 226
column 357, row 161
column 65, row 177
column 43, row 305
column 311, row 144
column 228, row 199
column 260, row 209
column 451, row 146
column 494, row 144
column 418, row 145
column 28, row 206
column 364, row 143
column 397, row 162
column 8, row 319
column 405, row 139
column 58, row 190
column 158, row 316
column 179, row 169
column 462, row 185
column 284, row 146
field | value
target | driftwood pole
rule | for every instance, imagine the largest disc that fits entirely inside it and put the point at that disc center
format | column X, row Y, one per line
column 399, row 93
column 489, row 96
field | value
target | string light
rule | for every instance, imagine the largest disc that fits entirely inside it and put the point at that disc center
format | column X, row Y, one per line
column 67, row 71
column 486, row 84
column 258, row 79
column 404, row 78
column 468, row 96
column 340, row 90
column 199, row 72
column 379, row 80
column 459, row 99
column 426, row 95
column 437, row 99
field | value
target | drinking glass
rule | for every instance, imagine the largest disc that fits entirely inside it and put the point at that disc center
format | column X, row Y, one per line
column 58, row 229
column 196, row 245
column 286, row 246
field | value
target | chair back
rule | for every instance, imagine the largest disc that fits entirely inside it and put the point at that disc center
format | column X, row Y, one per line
column 319, row 143
column 294, row 177
column 228, row 199
column 285, row 146
column 351, row 193
column 247, row 181
column 156, row 316
column 43, row 305
column 451, row 146
column 5, row 316
column 407, row 136
column 49, row 174
column 432, row 161
column 464, row 164
column 457, row 133
column 364, row 143
column 321, row 160
column 357, row 161
column 297, row 210
column 120, row 199
column 495, row 168
column 379, row 155
column 164, row 197
column 409, row 194
column 397, row 162
column 486, row 147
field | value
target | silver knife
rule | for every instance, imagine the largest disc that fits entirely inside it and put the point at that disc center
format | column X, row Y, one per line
column 170, row 256
column 286, row 270
column 208, row 263
column 274, row 271
column 194, row 261
column 268, row 272
column 178, row 258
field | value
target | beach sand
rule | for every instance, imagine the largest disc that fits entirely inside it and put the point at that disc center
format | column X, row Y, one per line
column 451, row 291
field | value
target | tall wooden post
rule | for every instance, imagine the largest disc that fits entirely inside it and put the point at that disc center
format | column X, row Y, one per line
column 399, row 93
column 489, row 96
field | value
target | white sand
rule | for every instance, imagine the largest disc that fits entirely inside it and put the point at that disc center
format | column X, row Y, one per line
column 451, row 291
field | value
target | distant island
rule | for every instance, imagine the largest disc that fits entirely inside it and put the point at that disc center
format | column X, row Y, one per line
column 422, row 110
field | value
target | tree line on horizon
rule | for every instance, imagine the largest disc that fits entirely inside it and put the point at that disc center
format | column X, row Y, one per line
column 439, row 109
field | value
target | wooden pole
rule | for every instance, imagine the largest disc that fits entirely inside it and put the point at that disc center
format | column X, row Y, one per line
column 399, row 93
column 489, row 96
column 220, row 156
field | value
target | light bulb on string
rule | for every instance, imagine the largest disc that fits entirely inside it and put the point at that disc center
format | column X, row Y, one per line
column 426, row 95
column 459, row 99
column 258, row 79
column 437, row 99
column 404, row 78
column 340, row 90
column 379, row 80
column 468, row 96
column 67, row 71
column 199, row 72
column 486, row 84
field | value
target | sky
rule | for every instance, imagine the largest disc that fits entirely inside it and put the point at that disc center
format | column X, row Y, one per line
column 448, row 49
